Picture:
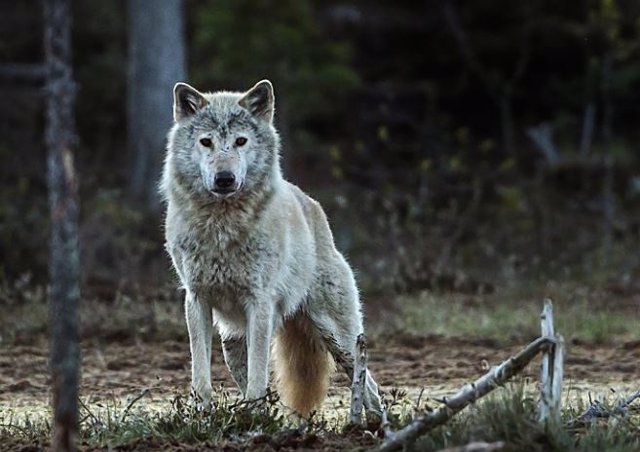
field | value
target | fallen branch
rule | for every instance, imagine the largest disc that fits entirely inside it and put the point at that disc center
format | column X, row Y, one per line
column 497, row 376
column 598, row 410
column 359, row 379
column 477, row 446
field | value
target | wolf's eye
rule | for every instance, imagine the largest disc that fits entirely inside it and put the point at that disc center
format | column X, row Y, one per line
column 206, row 142
column 241, row 141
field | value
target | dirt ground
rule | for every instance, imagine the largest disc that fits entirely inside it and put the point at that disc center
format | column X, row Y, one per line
column 435, row 365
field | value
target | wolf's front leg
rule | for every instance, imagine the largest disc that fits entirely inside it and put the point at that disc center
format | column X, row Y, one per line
column 200, row 326
column 260, row 319
column 234, row 350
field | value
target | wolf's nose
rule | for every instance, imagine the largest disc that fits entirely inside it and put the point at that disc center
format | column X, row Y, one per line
column 224, row 179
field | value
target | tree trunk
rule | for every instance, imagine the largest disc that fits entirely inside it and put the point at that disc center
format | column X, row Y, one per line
column 64, row 293
column 506, row 124
column 608, row 195
column 156, row 63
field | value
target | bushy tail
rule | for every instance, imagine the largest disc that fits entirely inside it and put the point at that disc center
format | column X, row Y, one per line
column 302, row 365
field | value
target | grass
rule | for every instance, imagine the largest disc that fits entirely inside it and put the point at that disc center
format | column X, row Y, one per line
column 122, row 319
column 509, row 415
column 582, row 313
column 510, row 316
column 118, row 425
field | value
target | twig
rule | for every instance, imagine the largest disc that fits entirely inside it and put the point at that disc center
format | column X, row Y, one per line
column 359, row 378
column 386, row 426
column 598, row 410
column 23, row 73
column 269, row 399
column 488, row 382
column 89, row 412
column 629, row 400
column 133, row 401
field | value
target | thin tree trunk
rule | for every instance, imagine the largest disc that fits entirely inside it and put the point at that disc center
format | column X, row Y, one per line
column 156, row 62
column 64, row 265
column 588, row 122
column 506, row 124
column 608, row 195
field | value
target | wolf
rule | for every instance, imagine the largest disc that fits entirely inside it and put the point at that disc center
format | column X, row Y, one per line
column 254, row 254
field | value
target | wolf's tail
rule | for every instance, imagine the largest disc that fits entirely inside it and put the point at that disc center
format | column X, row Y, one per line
column 302, row 365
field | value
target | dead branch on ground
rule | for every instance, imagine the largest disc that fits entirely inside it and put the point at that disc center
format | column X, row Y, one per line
column 552, row 347
column 477, row 446
column 496, row 377
column 598, row 410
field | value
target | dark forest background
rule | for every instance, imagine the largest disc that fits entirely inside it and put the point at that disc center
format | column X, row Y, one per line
column 453, row 144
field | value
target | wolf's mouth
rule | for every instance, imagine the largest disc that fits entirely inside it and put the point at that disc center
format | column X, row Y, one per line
column 226, row 192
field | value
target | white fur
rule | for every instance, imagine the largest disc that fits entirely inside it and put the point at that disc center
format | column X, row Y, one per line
column 259, row 262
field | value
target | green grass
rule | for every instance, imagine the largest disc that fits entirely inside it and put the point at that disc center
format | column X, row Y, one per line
column 581, row 312
column 514, row 317
column 116, row 424
column 509, row 415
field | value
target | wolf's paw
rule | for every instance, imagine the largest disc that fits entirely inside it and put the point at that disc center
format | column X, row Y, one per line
column 202, row 400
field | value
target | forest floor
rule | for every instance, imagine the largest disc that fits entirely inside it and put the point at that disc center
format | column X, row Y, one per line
column 416, row 364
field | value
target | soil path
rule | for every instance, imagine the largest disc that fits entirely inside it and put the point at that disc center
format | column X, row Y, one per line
column 437, row 365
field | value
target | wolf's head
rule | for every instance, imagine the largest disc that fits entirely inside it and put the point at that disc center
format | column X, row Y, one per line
column 223, row 145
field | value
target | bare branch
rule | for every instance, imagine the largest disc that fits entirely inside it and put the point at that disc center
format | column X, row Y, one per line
column 469, row 55
column 477, row 446
column 359, row 378
column 23, row 73
column 132, row 402
column 598, row 410
column 497, row 376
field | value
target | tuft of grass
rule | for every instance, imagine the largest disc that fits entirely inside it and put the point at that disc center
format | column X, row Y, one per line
column 117, row 426
column 510, row 416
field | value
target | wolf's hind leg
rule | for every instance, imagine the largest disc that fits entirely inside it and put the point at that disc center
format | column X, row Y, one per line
column 235, row 355
column 340, row 338
column 200, row 326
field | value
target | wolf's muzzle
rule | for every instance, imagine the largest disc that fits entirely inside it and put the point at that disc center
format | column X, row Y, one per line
column 224, row 182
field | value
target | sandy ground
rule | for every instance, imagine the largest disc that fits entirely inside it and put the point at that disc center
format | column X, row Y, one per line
column 433, row 366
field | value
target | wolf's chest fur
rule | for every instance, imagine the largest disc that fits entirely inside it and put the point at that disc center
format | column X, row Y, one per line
column 223, row 266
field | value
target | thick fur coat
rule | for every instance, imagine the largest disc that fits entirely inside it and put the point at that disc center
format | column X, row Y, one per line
column 255, row 254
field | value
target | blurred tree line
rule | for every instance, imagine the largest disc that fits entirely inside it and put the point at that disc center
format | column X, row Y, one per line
column 438, row 134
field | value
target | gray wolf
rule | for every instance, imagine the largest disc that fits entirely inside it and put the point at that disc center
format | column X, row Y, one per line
column 255, row 254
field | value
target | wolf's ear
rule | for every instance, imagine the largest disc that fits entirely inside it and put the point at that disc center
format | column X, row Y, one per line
column 259, row 100
column 186, row 101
